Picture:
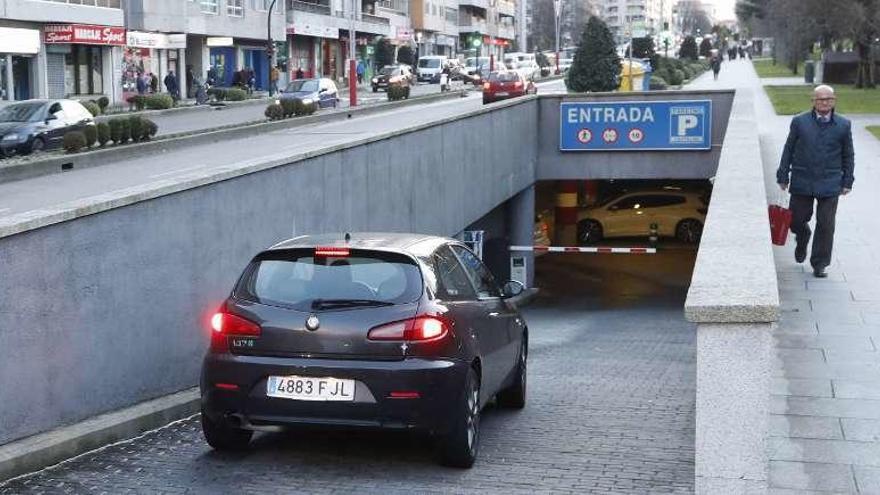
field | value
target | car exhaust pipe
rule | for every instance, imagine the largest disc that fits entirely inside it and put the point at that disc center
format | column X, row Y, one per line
column 234, row 420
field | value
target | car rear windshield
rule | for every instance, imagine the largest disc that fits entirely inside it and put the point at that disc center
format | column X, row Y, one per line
column 387, row 71
column 474, row 61
column 503, row 76
column 302, row 85
column 429, row 63
column 19, row 112
column 296, row 278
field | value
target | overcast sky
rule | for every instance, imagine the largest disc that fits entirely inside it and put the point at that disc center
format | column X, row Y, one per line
column 725, row 9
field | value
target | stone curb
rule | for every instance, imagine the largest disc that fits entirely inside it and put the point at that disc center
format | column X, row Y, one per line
column 65, row 162
column 49, row 448
column 185, row 108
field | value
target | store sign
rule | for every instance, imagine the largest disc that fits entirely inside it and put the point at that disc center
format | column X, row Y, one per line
column 306, row 29
column 404, row 34
column 137, row 39
column 16, row 40
column 635, row 125
column 84, row 34
column 218, row 41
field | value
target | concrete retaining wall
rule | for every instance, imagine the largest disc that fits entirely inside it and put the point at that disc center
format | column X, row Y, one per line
column 735, row 301
column 110, row 309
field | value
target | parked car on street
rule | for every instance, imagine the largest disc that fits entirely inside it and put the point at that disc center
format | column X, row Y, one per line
column 394, row 331
column 679, row 214
column 36, row 125
column 320, row 90
column 430, row 67
column 506, row 84
column 391, row 75
column 476, row 69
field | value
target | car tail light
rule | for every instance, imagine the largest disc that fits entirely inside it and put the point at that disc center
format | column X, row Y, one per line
column 486, row 85
column 337, row 252
column 517, row 84
column 224, row 325
column 418, row 329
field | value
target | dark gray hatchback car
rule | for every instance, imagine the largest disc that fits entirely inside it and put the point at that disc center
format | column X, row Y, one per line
column 398, row 331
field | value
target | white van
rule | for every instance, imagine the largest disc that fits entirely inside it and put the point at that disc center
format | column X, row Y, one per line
column 523, row 63
column 430, row 67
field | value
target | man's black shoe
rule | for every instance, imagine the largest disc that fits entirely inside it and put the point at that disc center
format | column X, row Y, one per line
column 800, row 252
column 819, row 273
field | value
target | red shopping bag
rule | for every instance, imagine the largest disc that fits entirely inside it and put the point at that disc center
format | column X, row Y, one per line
column 780, row 221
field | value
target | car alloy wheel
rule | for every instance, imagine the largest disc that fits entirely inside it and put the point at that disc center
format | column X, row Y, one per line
column 589, row 231
column 38, row 145
column 689, row 231
column 458, row 448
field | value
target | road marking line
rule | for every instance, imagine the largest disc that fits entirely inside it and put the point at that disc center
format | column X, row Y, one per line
column 172, row 172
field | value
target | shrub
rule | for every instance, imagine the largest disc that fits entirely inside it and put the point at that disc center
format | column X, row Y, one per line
column 236, row 94
column 596, row 65
column 300, row 108
column 689, row 49
column 92, row 107
column 677, row 77
column 658, row 83
column 125, row 132
column 219, row 94
column 91, row 134
column 136, row 127
column 74, row 141
column 288, row 106
column 159, row 102
column 396, row 93
column 138, row 102
column 115, row 129
column 102, row 129
column 275, row 112
column 150, row 130
column 103, row 102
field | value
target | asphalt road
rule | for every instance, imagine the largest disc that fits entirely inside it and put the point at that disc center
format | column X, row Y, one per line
column 208, row 116
column 610, row 410
column 54, row 191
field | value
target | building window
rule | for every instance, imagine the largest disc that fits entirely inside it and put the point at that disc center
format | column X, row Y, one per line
column 112, row 4
column 235, row 8
column 210, row 6
column 260, row 5
column 84, row 70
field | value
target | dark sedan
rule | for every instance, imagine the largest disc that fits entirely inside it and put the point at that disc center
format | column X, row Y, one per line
column 395, row 331
column 320, row 91
column 36, row 125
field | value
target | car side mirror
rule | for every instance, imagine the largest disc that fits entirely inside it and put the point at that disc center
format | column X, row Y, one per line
column 51, row 116
column 512, row 288
column 322, row 90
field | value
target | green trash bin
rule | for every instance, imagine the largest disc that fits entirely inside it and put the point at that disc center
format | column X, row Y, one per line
column 809, row 71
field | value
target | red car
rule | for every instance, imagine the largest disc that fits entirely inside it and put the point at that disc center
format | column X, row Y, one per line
column 506, row 84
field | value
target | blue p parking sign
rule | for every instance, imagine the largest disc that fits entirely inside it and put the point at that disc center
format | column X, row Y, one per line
column 635, row 125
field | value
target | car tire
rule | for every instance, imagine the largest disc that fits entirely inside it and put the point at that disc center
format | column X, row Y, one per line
column 514, row 396
column 689, row 231
column 486, row 101
column 375, row 89
column 37, row 145
column 222, row 437
column 589, row 232
column 459, row 447
column 407, row 93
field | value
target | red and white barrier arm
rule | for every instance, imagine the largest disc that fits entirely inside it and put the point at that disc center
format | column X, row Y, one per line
column 595, row 250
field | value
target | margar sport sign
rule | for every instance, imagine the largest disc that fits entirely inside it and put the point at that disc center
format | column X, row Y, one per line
column 635, row 125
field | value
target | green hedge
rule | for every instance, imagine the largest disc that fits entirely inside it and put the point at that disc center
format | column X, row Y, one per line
column 658, row 83
column 91, row 134
column 103, row 133
column 137, row 102
column 74, row 141
column 160, row 101
column 92, row 107
column 236, row 94
column 275, row 111
column 397, row 92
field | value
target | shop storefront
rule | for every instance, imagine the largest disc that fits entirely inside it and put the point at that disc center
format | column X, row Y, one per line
column 146, row 54
column 221, row 60
column 18, row 49
column 81, row 59
column 314, row 49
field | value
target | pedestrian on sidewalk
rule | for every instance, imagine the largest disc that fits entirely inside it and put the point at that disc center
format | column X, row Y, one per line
column 716, row 65
column 154, row 83
column 819, row 157
column 171, row 85
column 141, row 83
column 360, row 71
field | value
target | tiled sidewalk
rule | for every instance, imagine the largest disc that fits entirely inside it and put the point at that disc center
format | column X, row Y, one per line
column 824, row 432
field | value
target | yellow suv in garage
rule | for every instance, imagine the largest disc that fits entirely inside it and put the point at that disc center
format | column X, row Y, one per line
column 678, row 214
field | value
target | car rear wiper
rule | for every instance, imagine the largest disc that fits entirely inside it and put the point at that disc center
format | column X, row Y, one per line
column 347, row 303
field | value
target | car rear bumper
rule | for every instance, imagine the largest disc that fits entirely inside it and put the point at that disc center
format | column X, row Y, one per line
column 438, row 382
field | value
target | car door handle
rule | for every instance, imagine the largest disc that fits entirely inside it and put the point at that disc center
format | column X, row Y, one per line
column 494, row 314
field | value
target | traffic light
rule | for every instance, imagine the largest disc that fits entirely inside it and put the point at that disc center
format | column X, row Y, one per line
column 476, row 42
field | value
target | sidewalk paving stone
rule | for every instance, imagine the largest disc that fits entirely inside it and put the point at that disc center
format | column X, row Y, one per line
column 793, row 475
column 816, row 427
column 802, row 387
column 861, row 430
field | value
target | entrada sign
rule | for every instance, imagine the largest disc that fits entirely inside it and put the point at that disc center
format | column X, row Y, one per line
column 635, row 125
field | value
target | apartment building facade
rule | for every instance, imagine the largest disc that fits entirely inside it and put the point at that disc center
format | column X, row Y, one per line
column 625, row 17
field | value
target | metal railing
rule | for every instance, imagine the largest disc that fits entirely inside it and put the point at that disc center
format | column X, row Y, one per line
column 314, row 8
column 375, row 19
column 111, row 4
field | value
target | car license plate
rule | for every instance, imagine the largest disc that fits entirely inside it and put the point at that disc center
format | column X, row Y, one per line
column 503, row 93
column 308, row 388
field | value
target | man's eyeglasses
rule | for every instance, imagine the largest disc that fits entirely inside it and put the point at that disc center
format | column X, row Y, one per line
column 826, row 99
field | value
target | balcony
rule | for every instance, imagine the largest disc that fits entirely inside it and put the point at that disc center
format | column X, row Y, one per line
column 480, row 4
column 507, row 9
column 471, row 25
column 310, row 7
column 375, row 19
column 506, row 32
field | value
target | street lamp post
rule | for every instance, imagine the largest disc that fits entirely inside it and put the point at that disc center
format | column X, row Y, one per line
column 492, row 12
column 352, row 64
column 270, row 47
column 557, row 12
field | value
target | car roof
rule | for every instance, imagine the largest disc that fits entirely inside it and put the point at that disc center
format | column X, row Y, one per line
column 415, row 244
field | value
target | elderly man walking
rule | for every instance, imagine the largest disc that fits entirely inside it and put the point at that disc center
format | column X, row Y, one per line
column 819, row 157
